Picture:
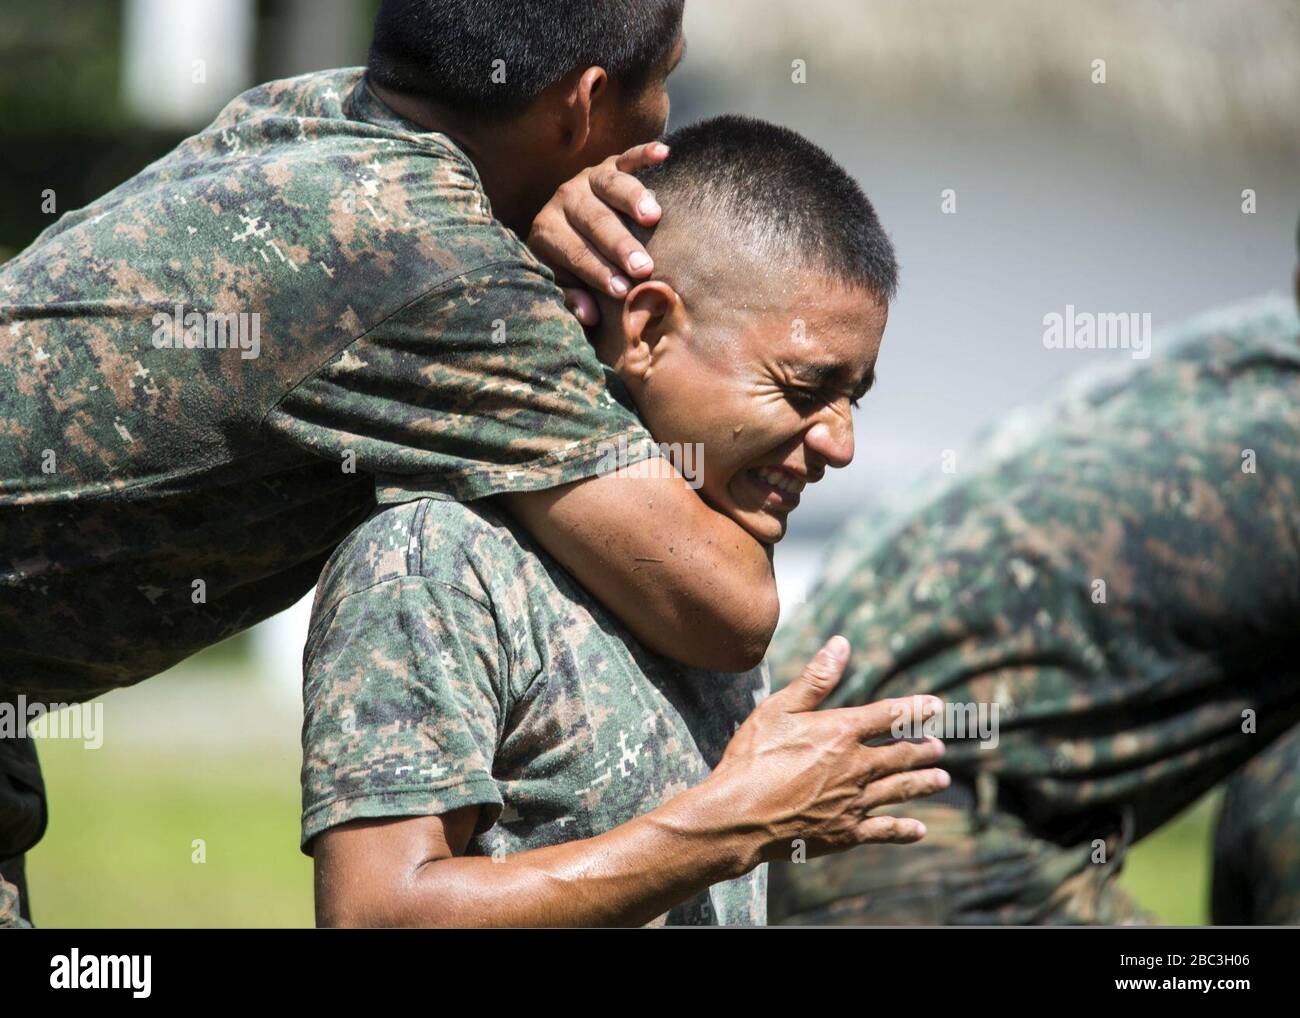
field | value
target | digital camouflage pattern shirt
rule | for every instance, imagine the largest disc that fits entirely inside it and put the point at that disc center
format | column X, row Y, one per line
column 451, row 662
column 203, row 371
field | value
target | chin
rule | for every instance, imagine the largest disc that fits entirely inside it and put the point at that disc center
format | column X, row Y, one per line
column 762, row 527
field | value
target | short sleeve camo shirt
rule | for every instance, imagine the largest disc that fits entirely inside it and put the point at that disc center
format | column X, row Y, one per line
column 452, row 663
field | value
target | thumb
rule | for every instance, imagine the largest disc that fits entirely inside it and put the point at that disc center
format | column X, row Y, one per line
column 818, row 678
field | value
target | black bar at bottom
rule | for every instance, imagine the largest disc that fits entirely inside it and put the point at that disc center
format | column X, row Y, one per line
column 213, row 967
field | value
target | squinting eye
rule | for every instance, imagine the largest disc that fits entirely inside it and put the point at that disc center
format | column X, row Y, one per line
column 803, row 398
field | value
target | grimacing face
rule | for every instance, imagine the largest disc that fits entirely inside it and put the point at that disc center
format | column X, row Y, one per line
column 767, row 388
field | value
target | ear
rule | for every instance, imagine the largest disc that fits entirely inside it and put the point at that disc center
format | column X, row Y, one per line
column 580, row 101
column 652, row 312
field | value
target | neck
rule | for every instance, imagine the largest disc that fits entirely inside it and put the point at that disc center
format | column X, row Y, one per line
column 493, row 146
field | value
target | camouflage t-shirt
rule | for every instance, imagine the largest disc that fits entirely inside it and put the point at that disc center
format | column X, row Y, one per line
column 203, row 372
column 1118, row 571
column 452, row 663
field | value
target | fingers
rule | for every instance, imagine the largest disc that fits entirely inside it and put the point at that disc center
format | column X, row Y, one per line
column 583, row 305
column 638, row 157
column 902, row 787
column 625, row 194
column 815, row 682
column 901, row 756
column 589, row 216
column 580, row 232
column 900, row 717
column 568, row 251
column 890, row 830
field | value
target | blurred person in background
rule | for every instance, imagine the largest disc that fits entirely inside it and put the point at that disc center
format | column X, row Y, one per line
column 1118, row 574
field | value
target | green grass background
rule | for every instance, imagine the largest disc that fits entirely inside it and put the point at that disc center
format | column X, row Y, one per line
column 208, row 751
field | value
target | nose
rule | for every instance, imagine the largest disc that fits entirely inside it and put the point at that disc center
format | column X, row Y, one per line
column 831, row 437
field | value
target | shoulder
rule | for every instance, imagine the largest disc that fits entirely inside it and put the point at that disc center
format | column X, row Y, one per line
column 439, row 544
column 1269, row 314
column 472, row 547
column 379, row 551
column 481, row 553
column 1236, row 339
column 323, row 146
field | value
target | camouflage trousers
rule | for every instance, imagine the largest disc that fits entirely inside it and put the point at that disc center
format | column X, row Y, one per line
column 14, row 904
column 977, row 865
column 976, row 869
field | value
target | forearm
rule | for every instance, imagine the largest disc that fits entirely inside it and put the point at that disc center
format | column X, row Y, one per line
column 689, row 582
column 624, row 877
column 706, row 597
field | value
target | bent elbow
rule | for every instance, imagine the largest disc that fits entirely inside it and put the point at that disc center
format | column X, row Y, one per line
column 750, row 632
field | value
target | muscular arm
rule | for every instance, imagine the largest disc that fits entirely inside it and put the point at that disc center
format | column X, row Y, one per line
column 412, row 871
column 688, row 582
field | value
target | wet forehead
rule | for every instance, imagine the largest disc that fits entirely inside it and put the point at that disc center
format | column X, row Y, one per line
column 821, row 332
column 744, row 300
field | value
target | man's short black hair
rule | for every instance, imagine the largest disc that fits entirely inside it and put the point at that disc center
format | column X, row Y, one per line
column 783, row 196
column 495, row 57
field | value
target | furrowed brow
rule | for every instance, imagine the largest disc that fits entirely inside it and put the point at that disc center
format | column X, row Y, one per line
column 812, row 373
column 827, row 375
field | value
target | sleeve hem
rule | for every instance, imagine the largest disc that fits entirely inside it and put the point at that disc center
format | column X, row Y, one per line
column 591, row 457
column 404, row 801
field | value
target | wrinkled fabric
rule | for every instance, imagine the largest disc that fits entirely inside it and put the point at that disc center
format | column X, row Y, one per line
column 157, row 499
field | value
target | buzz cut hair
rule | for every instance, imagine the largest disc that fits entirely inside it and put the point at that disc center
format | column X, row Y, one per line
column 778, row 196
column 493, row 58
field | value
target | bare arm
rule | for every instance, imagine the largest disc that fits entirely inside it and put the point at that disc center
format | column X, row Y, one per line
column 412, row 872
column 689, row 583
column 789, row 772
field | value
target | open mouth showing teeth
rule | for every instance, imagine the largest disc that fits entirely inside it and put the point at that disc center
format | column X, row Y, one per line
column 780, row 480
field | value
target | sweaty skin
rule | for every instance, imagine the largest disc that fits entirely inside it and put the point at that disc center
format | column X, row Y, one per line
column 770, row 401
